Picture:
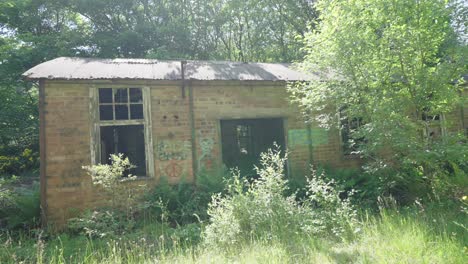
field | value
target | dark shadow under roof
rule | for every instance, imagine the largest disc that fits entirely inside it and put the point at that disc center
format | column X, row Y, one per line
column 66, row 68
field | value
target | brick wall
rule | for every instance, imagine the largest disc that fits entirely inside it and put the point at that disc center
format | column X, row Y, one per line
column 67, row 140
column 68, row 124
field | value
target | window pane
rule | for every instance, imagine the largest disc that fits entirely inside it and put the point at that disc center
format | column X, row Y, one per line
column 105, row 112
column 128, row 140
column 135, row 95
column 136, row 111
column 120, row 95
column 121, row 112
column 105, row 95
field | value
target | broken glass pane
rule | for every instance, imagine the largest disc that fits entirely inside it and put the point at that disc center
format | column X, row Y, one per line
column 120, row 95
column 128, row 140
column 135, row 95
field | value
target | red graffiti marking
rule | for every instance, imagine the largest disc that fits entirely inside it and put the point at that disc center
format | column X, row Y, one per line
column 173, row 169
column 208, row 164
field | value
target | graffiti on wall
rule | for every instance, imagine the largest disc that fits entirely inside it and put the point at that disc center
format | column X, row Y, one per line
column 301, row 137
column 171, row 154
column 206, row 147
column 173, row 169
column 173, row 150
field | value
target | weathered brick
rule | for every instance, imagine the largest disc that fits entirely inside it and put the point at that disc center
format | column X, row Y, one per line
column 68, row 139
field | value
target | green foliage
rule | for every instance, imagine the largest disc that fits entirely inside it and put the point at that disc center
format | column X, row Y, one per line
column 18, row 130
column 19, row 205
column 332, row 213
column 261, row 210
column 185, row 202
column 99, row 224
column 413, row 234
column 205, row 29
column 398, row 66
column 113, row 179
column 28, row 160
column 399, row 237
column 109, row 176
column 32, row 32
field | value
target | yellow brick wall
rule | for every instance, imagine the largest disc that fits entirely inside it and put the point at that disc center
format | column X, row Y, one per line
column 68, row 122
column 67, row 140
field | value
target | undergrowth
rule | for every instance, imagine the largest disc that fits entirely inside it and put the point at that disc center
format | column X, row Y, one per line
column 223, row 219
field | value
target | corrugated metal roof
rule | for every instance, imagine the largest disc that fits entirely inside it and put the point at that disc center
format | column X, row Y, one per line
column 87, row 68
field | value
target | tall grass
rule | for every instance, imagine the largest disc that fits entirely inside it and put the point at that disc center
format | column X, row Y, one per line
column 390, row 237
column 258, row 221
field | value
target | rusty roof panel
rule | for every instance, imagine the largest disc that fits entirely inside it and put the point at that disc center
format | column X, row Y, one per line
column 143, row 69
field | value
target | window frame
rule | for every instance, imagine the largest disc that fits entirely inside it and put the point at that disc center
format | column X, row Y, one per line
column 347, row 150
column 431, row 123
column 96, row 124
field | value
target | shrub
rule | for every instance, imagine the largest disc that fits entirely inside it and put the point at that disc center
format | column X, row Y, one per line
column 16, row 163
column 185, row 202
column 112, row 178
column 332, row 213
column 19, row 205
column 261, row 210
column 100, row 223
column 120, row 218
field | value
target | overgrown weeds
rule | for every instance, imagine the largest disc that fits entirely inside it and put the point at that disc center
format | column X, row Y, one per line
column 232, row 219
column 19, row 205
column 262, row 210
column 185, row 202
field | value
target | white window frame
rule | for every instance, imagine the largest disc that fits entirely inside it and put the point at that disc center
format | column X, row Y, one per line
column 96, row 124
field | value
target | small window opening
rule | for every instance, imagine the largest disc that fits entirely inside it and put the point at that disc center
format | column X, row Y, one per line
column 427, row 116
column 350, row 125
column 433, row 126
column 243, row 140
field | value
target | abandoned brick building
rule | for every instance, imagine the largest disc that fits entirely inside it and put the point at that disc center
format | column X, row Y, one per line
column 171, row 118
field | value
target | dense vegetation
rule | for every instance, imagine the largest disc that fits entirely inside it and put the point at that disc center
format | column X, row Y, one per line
column 249, row 221
column 396, row 70
column 34, row 31
column 399, row 66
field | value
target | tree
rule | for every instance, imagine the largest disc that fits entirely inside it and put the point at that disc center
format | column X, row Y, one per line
column 34, row 31
column 396, row 65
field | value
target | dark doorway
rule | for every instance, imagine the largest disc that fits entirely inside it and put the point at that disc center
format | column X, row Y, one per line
column 244, row 139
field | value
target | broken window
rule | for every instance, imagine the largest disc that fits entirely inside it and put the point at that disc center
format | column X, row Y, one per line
column 121, row 127
column 127, row 139
column 348, row 126
column 433, row 124
column 244, row 139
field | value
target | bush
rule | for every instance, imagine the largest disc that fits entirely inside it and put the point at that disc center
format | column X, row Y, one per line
column 261, row 210
column 16, row 163
column 433, row 174
column 19, row 205
column 366, row 187
column 185, row 202
column 121, row 217
column 332, row 213
column 100, row 223
column 112, row 178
